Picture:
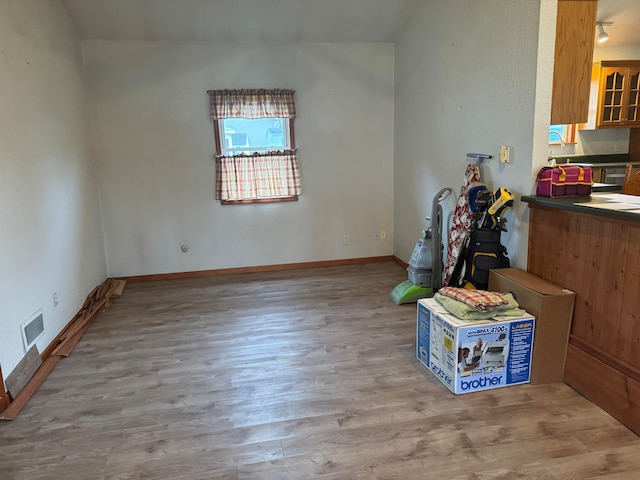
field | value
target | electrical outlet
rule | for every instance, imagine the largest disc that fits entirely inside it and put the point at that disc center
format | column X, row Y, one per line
column 346, row 240
column 376, row 235
column 383, row 234
column 54, row 298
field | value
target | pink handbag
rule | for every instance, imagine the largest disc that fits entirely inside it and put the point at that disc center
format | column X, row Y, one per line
column 564, row 180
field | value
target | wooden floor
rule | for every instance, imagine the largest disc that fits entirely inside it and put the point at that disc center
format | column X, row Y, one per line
column 290, row 375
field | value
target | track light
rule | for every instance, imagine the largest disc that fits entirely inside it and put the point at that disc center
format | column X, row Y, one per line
column 602, row 35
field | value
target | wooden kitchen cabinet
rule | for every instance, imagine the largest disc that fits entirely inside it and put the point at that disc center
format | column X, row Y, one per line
column 575, row 37
column 615, row 95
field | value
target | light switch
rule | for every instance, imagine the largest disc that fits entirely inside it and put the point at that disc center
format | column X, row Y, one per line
column 506, row 154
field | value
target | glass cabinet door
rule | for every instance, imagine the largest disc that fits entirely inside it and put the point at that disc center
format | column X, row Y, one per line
column 613, row 98
column 633, row 98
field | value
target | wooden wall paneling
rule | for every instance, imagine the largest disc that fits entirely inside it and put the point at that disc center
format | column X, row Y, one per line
column 630, row 305
column 586, row 260
column 604, row 311
column 602, row 266
column 540, row 251
column 552, row 259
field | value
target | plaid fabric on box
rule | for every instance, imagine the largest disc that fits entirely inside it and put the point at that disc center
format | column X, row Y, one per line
column 262, row 103
column 481, row 300
column 268, row 175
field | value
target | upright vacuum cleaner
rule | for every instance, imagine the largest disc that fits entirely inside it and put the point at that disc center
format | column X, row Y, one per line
column 426, row 264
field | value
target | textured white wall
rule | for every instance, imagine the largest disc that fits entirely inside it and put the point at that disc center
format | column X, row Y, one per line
column 153, row 141
column 465, row 81
column 51, row 233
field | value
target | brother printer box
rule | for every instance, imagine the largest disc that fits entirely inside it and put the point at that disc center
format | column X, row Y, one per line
column 553, row 308
column 468, row 356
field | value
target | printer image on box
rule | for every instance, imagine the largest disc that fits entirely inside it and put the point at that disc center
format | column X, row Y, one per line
column 495, row 352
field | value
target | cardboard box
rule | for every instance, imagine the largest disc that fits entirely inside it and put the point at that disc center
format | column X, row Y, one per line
column 553, row 308
column 504, row 358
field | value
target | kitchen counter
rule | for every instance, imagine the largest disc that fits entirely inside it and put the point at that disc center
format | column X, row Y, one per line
column 595, row 252
column 601, row 204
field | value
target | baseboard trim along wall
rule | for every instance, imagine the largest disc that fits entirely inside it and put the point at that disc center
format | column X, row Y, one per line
column 400, row 262
column 61, row 346
column 263, row 268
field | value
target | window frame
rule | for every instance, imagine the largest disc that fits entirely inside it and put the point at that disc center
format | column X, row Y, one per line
column 219, row 151
column 569, row 137
column 228, row 151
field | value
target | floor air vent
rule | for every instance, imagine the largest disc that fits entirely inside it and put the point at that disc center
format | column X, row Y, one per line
column 32, row 329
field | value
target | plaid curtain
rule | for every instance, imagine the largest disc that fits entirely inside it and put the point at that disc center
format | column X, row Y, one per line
column 261, row 175
column 252, row 104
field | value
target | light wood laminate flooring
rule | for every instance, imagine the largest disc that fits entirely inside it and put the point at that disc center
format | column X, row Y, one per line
column 290, row 375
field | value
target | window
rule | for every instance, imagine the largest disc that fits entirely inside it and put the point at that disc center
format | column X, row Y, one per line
column 256, row 159
column 562, row 135
column 245, row 135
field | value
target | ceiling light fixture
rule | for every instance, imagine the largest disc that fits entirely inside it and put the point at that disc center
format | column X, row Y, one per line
column 602, row 35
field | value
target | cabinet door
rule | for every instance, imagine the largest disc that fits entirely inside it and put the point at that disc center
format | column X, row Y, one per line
column 575, row 35
column 632, row 117
column 613, row 96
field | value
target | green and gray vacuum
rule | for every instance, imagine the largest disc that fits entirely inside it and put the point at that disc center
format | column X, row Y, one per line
column 426, row 265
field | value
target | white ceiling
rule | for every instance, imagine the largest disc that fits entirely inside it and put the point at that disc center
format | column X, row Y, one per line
column 625, row 15
column 282, row 20
column 240, row 20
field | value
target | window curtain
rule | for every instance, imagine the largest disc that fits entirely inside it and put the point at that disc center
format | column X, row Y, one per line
column 261, row 175
column 252, row 104
column 257, row 176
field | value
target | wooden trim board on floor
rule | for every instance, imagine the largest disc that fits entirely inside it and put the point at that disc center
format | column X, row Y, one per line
column 62, row 345
column 24, row 370
column 26, row 393
column 263, row 268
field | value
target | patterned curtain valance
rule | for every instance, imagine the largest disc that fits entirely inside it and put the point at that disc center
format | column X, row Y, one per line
column 246, row 103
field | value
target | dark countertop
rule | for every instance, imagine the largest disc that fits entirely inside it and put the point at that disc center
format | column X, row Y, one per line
column 605, row 164
column 606, row 187
column 617, row 158
column 568, row 203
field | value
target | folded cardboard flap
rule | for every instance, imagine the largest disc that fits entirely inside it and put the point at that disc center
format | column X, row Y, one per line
column 552, row 306
column 531, row 282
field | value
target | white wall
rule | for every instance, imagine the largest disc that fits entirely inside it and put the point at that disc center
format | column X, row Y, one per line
column 153, row 140
column 465, row 81
column 51, row 232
